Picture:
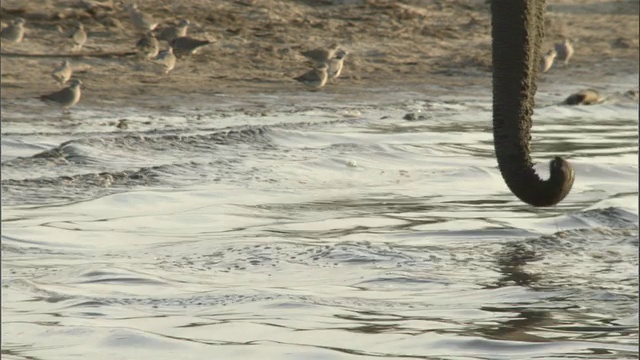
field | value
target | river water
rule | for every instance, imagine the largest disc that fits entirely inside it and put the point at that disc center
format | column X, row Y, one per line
column 316, row 226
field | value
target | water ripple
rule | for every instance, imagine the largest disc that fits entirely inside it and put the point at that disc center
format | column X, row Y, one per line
column 319, row 230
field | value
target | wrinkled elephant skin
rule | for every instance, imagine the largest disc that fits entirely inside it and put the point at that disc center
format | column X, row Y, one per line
column 517, row 31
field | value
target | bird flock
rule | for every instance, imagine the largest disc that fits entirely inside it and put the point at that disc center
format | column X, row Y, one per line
column 562, row 51
column 327, row 62
column 327, row 66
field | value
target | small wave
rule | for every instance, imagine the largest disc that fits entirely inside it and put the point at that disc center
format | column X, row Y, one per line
column 74, row 187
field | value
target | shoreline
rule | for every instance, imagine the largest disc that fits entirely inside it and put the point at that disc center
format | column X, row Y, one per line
column 257, row 47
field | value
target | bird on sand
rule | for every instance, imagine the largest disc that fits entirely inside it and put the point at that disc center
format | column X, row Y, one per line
column 79, row 37
column 185, row 45
column 14, row 32
column 173, row 32
column 62, row 73
column 141, row 21
column 336, row 64
column 547, row 60
column 316, row 78
column 564, row 51
column 66, row 98
column 321, row 55
column 148, row 46
column 167, row 59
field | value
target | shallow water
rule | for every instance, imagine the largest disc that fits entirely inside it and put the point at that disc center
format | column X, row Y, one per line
column 316, row 227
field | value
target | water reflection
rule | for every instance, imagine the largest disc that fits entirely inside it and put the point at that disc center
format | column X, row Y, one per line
column 511, row 265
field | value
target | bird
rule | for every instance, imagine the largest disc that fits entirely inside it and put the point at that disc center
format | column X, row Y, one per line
column 66, row 97
column 564, row 51
column 122, row 124
column 632, row 94
column 79, row 37
column 320, row 56
column 141, row 21
column 315, row 78
column 62, row 73
column 547, row 60
column 167, row 59
column 185, row 45
column 173, row 32
column 584, row 97
column 336, row 64
column 148, row 46
column 14, row 32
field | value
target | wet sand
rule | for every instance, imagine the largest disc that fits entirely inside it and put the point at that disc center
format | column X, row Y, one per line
column 258, row 43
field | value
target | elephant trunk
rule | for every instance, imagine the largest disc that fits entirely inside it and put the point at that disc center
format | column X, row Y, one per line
column 517, row 31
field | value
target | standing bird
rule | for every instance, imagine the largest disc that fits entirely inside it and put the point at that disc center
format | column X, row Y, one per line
column 547, row 61
column 321, row 56
column 167, row 59
column 148, row 46
column 316, row 78
column 185, row 45
column 141, row 21
column 172, row 32
column 336, row 64
column 79, row 37
column 62, row 73
column 66, row 97
column 565, row 51
column 14, row 32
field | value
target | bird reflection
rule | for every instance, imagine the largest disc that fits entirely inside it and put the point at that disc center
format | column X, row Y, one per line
column 511, row 264
column 523, row 321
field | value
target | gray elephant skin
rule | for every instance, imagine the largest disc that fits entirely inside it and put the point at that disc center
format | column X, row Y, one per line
column 517, row 32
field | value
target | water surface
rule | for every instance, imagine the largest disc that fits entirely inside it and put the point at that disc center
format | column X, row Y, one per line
column 316, row 226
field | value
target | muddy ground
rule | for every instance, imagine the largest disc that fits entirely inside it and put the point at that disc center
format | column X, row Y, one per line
column 258, row 43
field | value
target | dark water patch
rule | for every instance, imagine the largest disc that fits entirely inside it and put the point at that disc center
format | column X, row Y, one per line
column 344, row 231
column 72, row 152
column 270, row 256
column 581, row 263
column 399, row 281
column 582, row 243
column 203, row 302
column 398, row 213
column 11, row 351
column 364, row 254
column 480, row 149
column 83, row 186
column 538, row 324
column 373, row 204
column 87, row 304
column 24, row 246
column 580, row 329
column 611, row 217
column 113, row 277
column 131, row 155
column 76, row 187
column 171, row 140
